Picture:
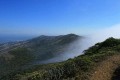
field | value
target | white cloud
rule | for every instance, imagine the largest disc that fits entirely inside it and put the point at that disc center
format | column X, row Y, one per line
column 79, row 46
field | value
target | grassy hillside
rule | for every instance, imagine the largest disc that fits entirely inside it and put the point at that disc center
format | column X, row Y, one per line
column 14, row 60
column 47, row 47
column 17, row 56
column 83, row 67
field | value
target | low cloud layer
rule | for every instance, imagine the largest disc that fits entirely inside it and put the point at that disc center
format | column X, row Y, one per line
column 76, row 48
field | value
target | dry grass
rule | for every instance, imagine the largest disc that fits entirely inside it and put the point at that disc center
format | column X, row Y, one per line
column 105, row 69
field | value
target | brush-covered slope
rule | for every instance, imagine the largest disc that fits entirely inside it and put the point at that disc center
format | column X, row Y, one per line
column 98, row 63
column 21, row 55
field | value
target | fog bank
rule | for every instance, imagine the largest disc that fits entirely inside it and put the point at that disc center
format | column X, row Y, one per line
column 76, row 48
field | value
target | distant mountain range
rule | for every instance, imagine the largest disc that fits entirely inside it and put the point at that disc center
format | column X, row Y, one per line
column 13, row 38
column 23, row 54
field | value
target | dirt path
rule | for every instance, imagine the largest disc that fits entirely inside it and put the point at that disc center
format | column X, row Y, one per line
column 106, row 68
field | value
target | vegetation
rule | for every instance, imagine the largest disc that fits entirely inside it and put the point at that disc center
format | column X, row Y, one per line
column 116, row 75
column 47, row 47
column 21, row 56
column 79, row 68
column 18, row 56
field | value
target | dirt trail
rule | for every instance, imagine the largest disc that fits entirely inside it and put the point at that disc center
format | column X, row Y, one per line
column 106, row 68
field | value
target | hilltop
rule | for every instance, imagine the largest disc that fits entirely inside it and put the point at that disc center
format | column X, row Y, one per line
column 25, row 54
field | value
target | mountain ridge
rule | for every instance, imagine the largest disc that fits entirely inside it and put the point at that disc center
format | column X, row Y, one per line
column 14, row 55
column 83, row 67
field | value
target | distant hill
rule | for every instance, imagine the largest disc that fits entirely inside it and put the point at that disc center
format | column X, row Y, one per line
column 13, row 38
column 23, row 54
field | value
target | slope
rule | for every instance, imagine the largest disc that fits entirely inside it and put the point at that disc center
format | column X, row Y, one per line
column 16, row 56
column 98, row 63
column 105, row 70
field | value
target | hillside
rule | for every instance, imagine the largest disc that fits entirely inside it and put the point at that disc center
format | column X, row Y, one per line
column 25, row 54
column 99, row 62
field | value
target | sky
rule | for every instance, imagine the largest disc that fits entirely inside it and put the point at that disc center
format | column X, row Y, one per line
column 51, row 17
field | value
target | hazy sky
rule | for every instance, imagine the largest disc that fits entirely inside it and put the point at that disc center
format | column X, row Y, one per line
column 37, row 17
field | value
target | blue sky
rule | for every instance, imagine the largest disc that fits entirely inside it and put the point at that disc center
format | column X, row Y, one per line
column 38, row 17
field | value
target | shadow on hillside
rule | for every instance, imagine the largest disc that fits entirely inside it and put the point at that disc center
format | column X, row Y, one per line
column 116, row 74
